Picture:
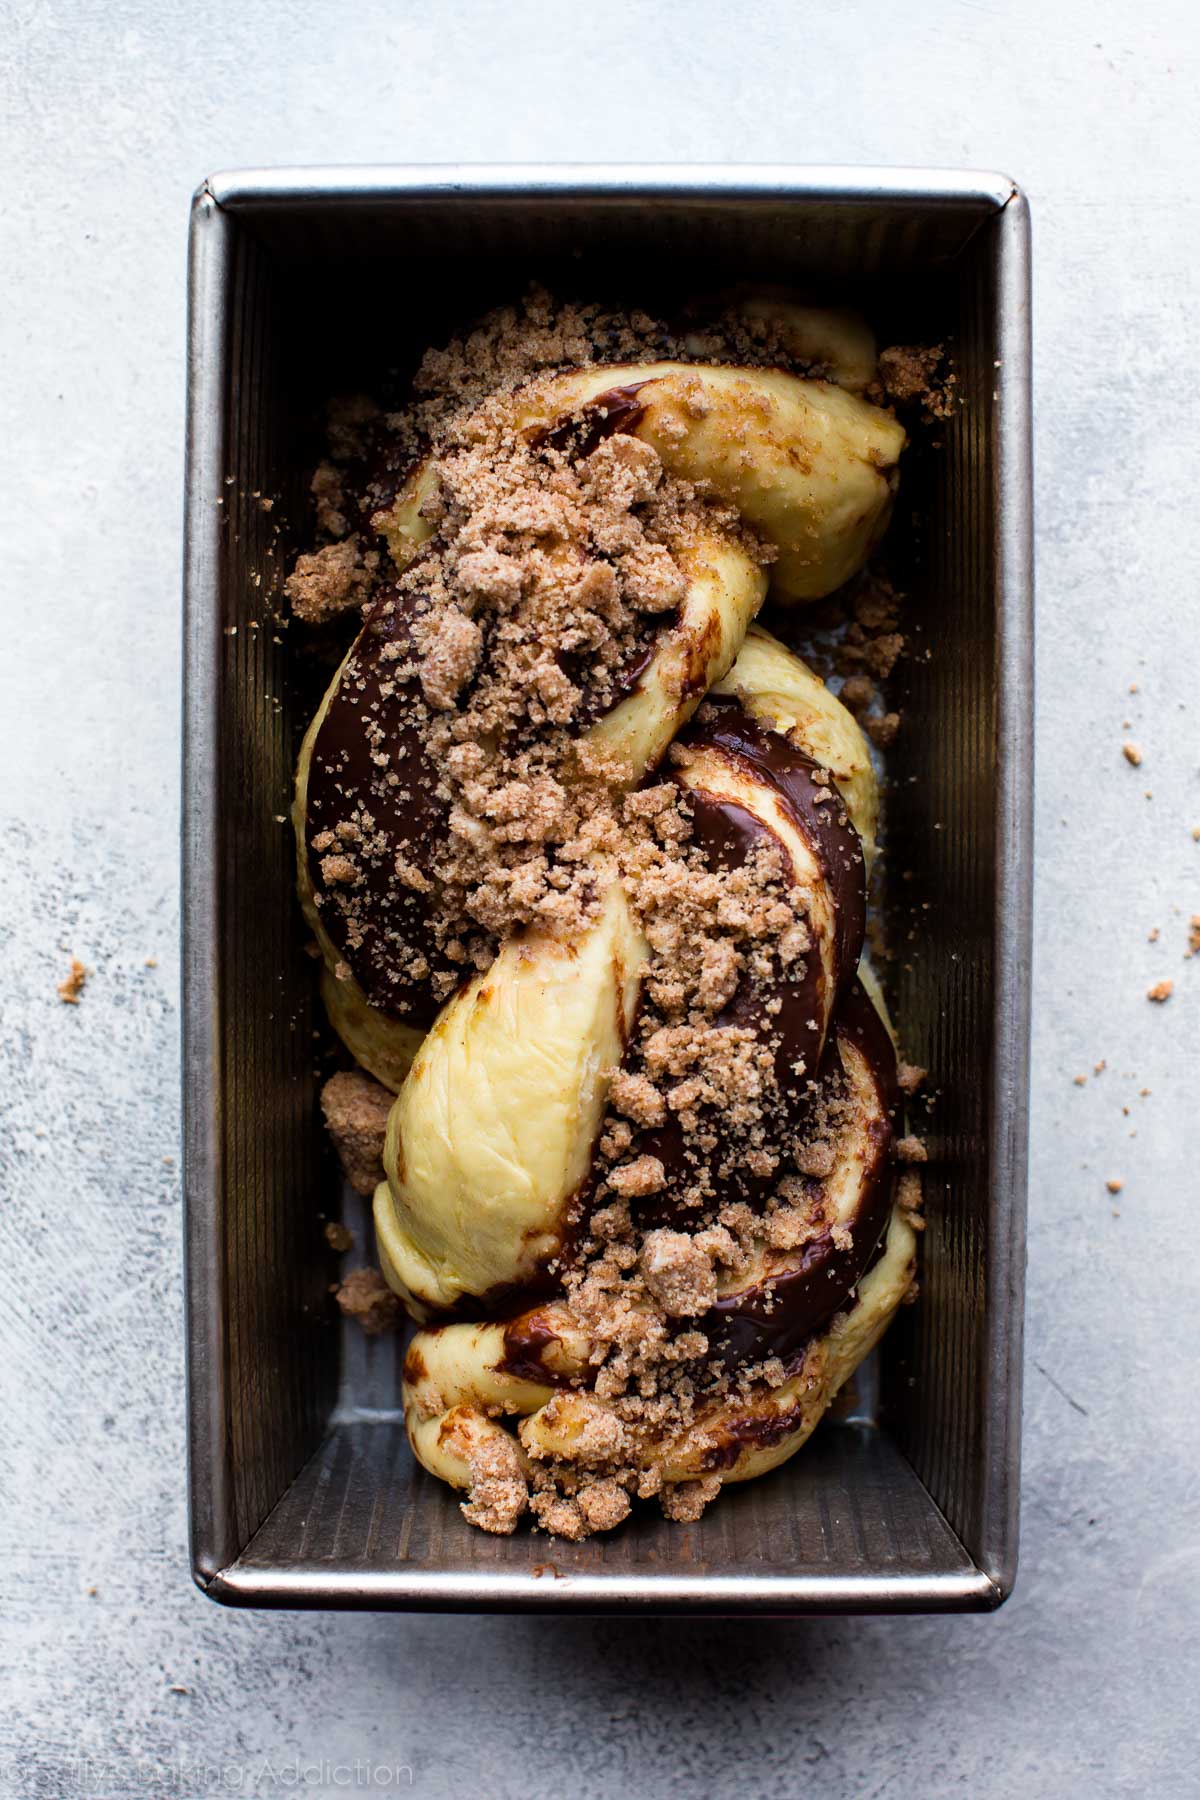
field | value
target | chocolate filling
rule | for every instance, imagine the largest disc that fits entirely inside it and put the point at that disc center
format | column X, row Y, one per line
column 728, row 834
column 618, row 409
column 807, row 794
column 375, row 921
column 524, row 1341
column 779, row 1316
column 626, row 677
column 373, row 481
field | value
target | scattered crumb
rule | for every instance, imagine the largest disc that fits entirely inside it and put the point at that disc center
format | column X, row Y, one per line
column 1132, row 754
column 70, row 989
column 339, row 1237
column 356, row 1113
column 152, row 962
column 266, row 503
column 1152, row 935
column 1081, row 1081
column 366, row 1298
column 1162, row 990
column 1193, row 943
column 1099, row 1068
column 858, row 692
column 686, row 1501
column 909, row 1077
column 882, row 729
column 911, row 1150
column 330, row 581
column 911, row 374
column 1114, row 1184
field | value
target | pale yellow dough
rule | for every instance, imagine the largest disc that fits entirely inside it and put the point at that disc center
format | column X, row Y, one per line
column 493, row 1130
column 810, row 466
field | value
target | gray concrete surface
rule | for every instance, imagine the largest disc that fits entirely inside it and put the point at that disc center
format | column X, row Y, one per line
column 119, row 1679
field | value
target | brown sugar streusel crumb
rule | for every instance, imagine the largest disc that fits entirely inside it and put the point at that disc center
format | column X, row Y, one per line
column 339, row 1237
column 70, row 989
column 356, row 1114
column 499, row 1495
column 883, row 730
column 1132, row 754
column 365, row 1297
column 1193, row 941
column 1162, row 990
column 330, row 581
column 917, row 374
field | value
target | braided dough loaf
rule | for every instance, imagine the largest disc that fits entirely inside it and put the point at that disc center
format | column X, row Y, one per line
column 529, row 1153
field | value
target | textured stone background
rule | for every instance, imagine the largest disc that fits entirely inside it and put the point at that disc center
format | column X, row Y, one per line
column 1078, row 1687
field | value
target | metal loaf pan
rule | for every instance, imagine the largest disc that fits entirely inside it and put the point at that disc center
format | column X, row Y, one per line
column 303, row 1491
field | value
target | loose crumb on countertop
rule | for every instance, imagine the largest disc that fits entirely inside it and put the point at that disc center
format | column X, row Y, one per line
column 1114, row 1184
column 72, row 987
column 1132, row 754
column 1162, row 990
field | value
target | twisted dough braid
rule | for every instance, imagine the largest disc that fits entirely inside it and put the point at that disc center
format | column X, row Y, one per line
column 504, row 1086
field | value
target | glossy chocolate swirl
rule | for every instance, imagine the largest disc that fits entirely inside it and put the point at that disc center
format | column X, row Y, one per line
column 372, row 798
column 790, row 1011
column 804, row 1288
column 616, row 410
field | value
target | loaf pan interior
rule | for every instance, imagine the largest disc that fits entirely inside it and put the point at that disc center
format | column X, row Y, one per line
column 303, row 1489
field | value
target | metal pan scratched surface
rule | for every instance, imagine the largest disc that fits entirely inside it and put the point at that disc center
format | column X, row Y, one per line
column 304, row 283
